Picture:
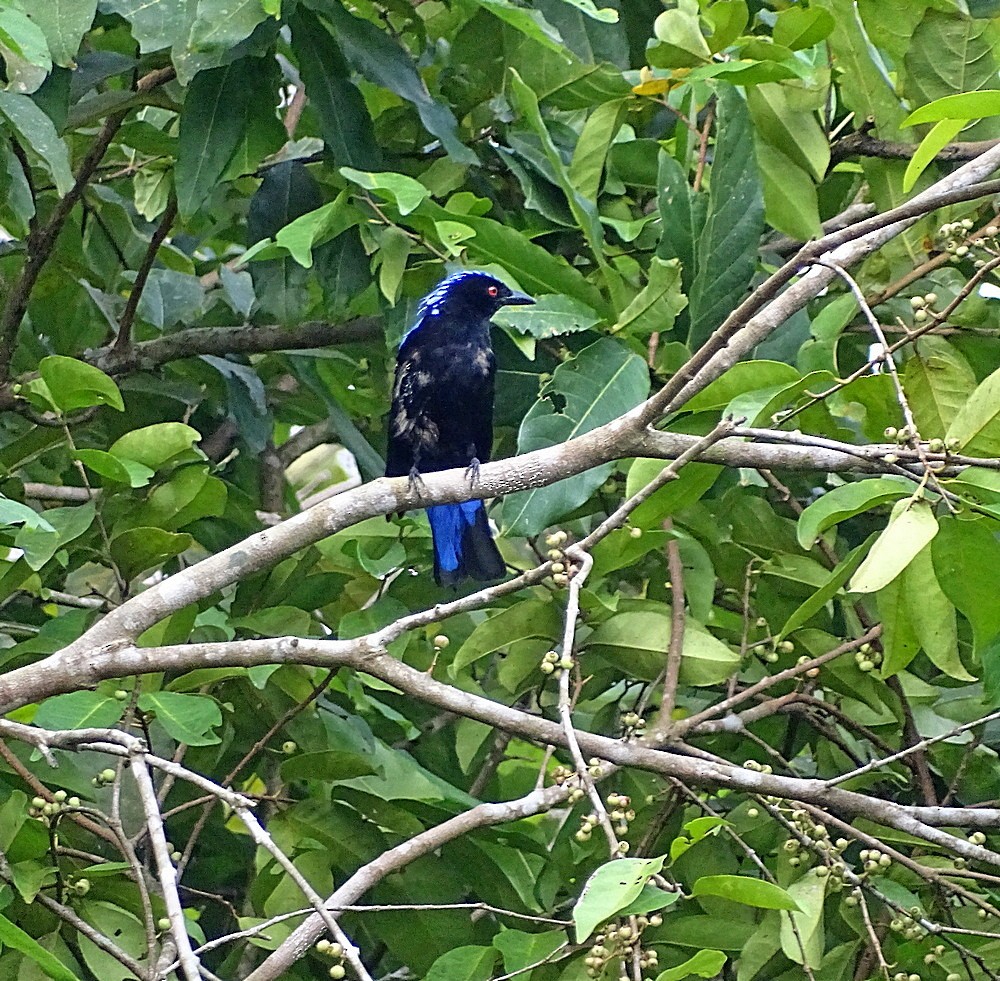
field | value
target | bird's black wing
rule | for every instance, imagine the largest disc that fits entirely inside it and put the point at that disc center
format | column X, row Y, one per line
column 410, row 430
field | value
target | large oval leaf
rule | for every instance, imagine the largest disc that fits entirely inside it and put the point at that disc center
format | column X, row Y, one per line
column 604, row 381
column 638, row 640
column 911, row 527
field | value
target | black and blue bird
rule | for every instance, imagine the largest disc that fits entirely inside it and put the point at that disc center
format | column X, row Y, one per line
column 442, row 413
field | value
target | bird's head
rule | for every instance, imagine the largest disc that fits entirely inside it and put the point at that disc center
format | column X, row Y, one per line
column 471, row 295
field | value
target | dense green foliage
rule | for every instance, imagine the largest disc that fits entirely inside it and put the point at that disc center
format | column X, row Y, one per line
column 220, row 216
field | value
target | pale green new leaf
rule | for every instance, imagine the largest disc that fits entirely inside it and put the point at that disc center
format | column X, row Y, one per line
column 961, row 106
column 933, row 616
column 930, row 146
column 846, row 501
column 976, row 428
column 807, row 946
column 746, row 890
column 911, row 527
column 611, row 888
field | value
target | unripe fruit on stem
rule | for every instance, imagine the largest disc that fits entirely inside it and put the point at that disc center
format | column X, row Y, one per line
column 163, row 923
column 289, row 746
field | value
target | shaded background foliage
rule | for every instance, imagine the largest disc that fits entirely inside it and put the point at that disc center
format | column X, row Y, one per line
column 220, row 217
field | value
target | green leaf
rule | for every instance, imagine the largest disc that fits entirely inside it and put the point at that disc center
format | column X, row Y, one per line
column 222, row 24
column 530, row 23
column 12, row 936
column 679, row 41
column 535, row 268
column 637, row 641
column 601, row 383
column 727, row 245
column 276, row 621
column 463, row 964
column 932, row 616
column 705, row 964
column 744, row 72
column 154, row 25
column 187, row 718
column 845, row 502
column 24, row 49
column 156, row 446
column 657, row 304
column 609, row 889
column 930, row 146
column 16, row 513
column 728, row 19
column 64, row 22
column 864, row 85
column 977, row 425
column 584, row 212
column 810, row 607
column 799, row 27
column 67, row 524
column 78, row 710
column 961, row 106
column 606, row 15
column 807, row 946
column 382, row 60
column 746, row 890
column 795, row 132
column 966, row 556
column 327, row 765
column 405, row 192
column 126, row 472
column 521, row 950
column 550, row 316
column 948, row 56
column 139, row 549
column 345, row 124
column 938, row 381
column 911, row 527
column 36, row 134
column 75, row 384
column 682, row 216
column 651, row 899
column 591, row 151
column 746, row 376
column 529, row 618
column 790, row 199
column 220, row 105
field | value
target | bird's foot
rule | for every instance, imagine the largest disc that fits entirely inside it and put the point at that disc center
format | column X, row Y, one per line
column 416, row 481
column 472, row 471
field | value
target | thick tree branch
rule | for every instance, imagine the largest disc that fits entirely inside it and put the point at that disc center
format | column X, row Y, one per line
column 865, row 145
column 248, row 339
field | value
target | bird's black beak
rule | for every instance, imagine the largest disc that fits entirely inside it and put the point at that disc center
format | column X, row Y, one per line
column 517, row 299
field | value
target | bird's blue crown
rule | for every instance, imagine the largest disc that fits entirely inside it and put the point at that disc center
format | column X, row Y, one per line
column 431, row 302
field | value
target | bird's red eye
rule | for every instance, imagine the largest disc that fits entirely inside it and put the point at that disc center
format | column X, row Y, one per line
column 492, row 290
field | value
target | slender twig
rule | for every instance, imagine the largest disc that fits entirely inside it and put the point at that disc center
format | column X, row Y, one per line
column 678, row 617
column 43, row 239
column 123, row 341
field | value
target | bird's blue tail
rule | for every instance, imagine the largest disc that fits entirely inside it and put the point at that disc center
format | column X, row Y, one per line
column 463, row 545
